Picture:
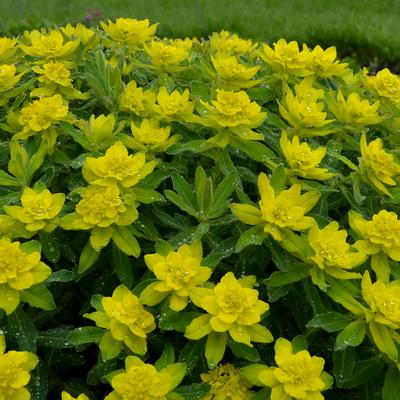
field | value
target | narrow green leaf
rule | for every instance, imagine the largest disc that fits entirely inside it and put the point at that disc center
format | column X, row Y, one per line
column 330, row 322
column 87, row 258
column 391, row 386
column 184, row 190
column 39, row 296
column 167, row 357
column 23, row 330
column 194, row 391
column 122, row 266
column 56, row 338
column 253, row 236
column 242, row 351
column 174, row 321
column 50, row 247
column 191, row 353
column 295, row 272
column 85, row 335
column 352, row 335
column 343, row 364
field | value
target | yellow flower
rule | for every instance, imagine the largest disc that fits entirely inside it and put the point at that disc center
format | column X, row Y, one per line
column 354, row 111
column 383, row 301
column 287, row 58
column 232, row 73
column 40, row 115
column 226, row 384
column 230, row 43
column 302, row 160
column 39, row 209
column 49, row 45
column 304, row 111
column 85, row 35
column 100, row 209
column 8, row 77
column 55, row 76
column 167, row 52
column 150, row 136
column 384, row 84
column 117, row 167
column 67, row 396
column 233, row 112
column 298, row 375
column 135, row 99
column 232, row 306
column 98, row 130
column 129, row 32
column 383, row 315
column 378, row 165
column 8, row 50
column 174, row 106
column 143, row 381
column 20, row 268
column 278, row 211
column 332, row 254
column 380, row 238
column 15, row 368
column 178, row 272
column 54, row 72
column 126, row 322
column 325, row 64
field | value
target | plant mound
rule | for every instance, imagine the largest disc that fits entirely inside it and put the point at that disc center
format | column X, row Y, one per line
column 195, row 219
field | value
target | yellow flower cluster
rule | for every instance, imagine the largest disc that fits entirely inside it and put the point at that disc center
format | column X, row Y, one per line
column 297, row 140
column 126, row 322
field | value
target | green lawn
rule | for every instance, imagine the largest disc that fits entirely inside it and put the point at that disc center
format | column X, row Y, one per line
column 368, row 27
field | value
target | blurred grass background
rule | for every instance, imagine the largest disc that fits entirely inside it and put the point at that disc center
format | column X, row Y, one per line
column 365, row 29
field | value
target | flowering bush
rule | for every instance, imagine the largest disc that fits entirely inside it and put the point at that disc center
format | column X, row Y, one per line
column 195, row 219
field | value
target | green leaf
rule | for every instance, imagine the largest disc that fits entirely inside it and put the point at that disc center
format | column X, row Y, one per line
column 98, row 373
column 330, row 322
column 391, row 386
column 242, row 351
column 191, row 353
column 167, row 357
column 39, row 296
column 343, row 365
column 180, row 202
column 125, row 241
column 8, row 180
column 362, row 371
column 299, row 343
column 278, row 179
column 122, row 266
column 23, row 330
column 352, row 335
column 56, row 338
column 222, row 194
column 87, row 258
column 38, row 385
column 184, row 190
column 50, row 247
column 253, row 236
column 194, row 391
column 255, row 150
column 215, row 348
column 85, row 335
column 147, row 196
column 62, row 275
column 295, row 272
column 174, row 321
column 142, row 285
column 202, row 189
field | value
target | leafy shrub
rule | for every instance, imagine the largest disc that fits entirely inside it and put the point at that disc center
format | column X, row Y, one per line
column 196, row 219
